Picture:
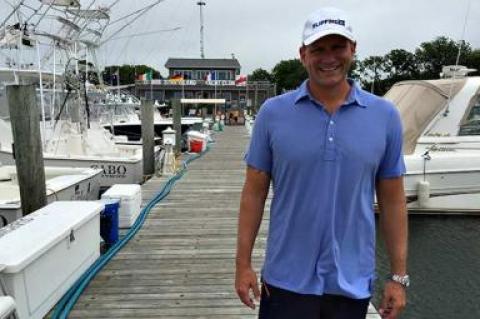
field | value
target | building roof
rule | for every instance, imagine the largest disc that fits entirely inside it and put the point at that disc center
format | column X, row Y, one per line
column 202, row 63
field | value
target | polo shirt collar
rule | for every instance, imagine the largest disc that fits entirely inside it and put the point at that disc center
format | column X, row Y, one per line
column 356, row 94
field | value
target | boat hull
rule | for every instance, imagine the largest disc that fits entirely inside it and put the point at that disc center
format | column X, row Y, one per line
column 115, row 171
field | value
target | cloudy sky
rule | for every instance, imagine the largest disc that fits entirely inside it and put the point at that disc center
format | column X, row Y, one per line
column 260, row 33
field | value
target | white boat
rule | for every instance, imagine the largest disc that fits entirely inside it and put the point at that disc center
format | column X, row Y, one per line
column 68, row 136
column 62, row 183
column 121, row 164
column 441, row 120
column 124, row 121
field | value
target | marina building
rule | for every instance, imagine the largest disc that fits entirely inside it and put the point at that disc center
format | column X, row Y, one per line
column 207, row 79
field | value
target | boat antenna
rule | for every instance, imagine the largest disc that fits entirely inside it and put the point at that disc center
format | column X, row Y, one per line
column 457, row 60
column 202, row 51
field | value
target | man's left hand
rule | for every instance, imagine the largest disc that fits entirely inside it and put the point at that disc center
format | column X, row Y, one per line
column 393, row 301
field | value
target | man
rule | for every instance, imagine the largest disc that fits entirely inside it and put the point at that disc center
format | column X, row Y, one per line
column 326, row 147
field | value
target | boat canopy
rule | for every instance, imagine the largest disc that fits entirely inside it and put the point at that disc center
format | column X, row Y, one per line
column 419, row 102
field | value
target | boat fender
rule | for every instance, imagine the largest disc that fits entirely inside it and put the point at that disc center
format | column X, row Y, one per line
column 423, row 193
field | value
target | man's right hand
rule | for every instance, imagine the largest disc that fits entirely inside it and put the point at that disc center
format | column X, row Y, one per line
column 246, row 280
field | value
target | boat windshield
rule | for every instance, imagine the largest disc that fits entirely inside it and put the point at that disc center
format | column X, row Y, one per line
column 419, row 102
column 472, row 123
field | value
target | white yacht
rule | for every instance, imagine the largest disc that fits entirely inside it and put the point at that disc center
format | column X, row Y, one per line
column 441, row 120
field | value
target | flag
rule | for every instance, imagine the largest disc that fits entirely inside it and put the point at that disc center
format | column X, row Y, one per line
column 176, row 77
column 211, row 76
column 148, row 76
column 240, row 80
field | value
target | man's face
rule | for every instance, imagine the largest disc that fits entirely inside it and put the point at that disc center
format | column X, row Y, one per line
column 328, row 60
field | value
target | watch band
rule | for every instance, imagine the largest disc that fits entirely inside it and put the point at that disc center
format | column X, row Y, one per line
column 403, row 280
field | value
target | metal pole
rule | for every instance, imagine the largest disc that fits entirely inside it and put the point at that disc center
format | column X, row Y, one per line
column 52, row 104
column 27, row 146
column 202, row 51
column 42, row 102
column 256, row 95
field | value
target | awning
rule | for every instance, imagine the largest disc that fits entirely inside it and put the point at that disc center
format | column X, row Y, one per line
column 419, row 102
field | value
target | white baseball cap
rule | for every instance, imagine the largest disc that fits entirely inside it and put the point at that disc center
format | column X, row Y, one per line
column 327, row 21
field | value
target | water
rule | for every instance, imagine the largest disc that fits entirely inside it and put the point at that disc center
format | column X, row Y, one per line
column 444, row 267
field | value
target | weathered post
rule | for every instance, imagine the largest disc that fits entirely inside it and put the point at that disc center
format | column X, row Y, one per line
column 148, row 137
column 28, row 154
column 177, row 125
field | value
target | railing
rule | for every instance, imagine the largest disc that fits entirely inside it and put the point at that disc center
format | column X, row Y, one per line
column 251, row 85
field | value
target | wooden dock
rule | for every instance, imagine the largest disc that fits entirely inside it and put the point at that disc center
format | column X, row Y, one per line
column 181, row 263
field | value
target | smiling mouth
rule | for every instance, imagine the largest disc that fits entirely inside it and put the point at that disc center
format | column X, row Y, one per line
column 324, row 69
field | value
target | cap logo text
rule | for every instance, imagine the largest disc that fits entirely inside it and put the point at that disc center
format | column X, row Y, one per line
column 328, row 21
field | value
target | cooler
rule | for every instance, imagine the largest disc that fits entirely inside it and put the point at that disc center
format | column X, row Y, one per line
column 130, row 196
column 45, row 252
column 109, row 221
column 197, row 142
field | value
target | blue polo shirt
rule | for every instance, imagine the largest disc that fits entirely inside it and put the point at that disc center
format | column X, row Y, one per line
column 321, row 236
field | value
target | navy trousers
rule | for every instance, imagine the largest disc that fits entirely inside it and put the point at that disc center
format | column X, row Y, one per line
column 278, row 303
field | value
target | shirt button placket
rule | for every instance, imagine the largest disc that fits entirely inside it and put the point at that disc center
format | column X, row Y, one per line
column 330, row 143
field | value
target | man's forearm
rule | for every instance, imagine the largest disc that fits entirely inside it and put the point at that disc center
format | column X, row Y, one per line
column 252, row 205
column 251, row 212
column 394, row 223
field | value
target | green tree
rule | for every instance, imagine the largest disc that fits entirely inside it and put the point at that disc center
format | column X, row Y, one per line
column 432, row 56
column 372, row 72
column 288, row 74
column 401, row 65
column 128, row 73
column 473, row 61
column 354, row 72
column 260, row 75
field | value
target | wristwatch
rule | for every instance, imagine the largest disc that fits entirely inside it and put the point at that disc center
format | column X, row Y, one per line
column 403, row 280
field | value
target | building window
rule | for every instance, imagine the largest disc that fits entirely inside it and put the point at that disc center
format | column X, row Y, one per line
column 227, row 96
column 201, row 74
column 222, row 75
column 187, row 75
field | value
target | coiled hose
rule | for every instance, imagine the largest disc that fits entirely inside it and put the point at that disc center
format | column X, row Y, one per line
column 66, row 304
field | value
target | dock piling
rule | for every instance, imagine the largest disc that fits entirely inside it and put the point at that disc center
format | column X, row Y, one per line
column 25, row 121
column 148, row 137
column 177, row 126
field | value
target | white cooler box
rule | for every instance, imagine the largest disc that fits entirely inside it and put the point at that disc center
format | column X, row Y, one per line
column 44, row 253
column 130, row 196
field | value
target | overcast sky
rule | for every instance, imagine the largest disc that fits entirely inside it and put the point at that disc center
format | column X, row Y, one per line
column 260, row 33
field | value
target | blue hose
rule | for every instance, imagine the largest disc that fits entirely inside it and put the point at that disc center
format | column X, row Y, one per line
column 66, row 304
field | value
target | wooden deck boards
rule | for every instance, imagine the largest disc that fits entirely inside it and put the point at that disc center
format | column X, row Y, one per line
column 181, row 263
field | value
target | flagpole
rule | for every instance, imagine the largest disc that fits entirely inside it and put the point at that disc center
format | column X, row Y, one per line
column 246, row 93
column 150, row 77
column 215, row 85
